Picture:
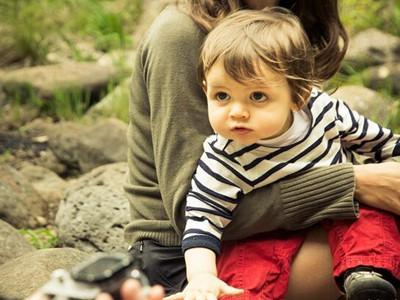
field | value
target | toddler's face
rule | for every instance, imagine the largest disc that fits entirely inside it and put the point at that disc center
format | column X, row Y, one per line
column 247, row 113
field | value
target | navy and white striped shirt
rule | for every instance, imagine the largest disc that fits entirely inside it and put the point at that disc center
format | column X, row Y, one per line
column 226, row 170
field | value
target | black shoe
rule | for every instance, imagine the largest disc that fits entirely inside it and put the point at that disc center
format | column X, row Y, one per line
column 368, row 285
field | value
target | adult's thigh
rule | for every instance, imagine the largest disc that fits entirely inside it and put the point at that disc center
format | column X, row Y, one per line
column 163, row 265
column 311, row 273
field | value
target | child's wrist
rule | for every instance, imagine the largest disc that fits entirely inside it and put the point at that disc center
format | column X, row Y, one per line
column 201, row 274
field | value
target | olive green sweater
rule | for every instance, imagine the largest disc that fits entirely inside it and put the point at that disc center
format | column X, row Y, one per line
column 168, row 123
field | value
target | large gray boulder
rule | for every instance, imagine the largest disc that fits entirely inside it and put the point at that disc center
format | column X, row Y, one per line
column 115, row 104
column 103, row 143
column 373, row 47
column 23, row 275
column 367, row 102
column 94, row 211
column 50, row 80
column 12, row 243
column 83, row 147
column 48, row 184
column 20, row 204
column 385, row 77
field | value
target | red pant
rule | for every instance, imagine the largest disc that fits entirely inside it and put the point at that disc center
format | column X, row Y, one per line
column 261, row 265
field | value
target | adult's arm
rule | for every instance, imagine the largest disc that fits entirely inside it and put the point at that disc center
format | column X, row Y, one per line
column 179, row 125
column 377, row 185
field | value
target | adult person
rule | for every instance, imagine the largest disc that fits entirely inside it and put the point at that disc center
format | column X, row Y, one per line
column 270, row 121
column 168, row 123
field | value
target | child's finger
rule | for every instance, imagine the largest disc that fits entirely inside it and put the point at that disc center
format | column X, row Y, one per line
column 230, row 290
column 177, row 296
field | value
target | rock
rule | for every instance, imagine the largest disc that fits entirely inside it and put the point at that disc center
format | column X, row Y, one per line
column 386, row 77
column 114, row 104
column 366, row 102
column 103, row 143
column 64, row 141
column 20, row 204
column 95, row 210
column 118, row 58
column 83, row 148
column 13, row 117
column 49, row 80
column 48, row 184
column 23, row 275
column 48, row 160
column 373, row 47
column 12, row 243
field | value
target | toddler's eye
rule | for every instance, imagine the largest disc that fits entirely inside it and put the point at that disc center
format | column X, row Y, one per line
column 258, row 97
column 221, row 96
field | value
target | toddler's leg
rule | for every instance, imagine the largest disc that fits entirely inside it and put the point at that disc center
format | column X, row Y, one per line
column 366, row 254
column 260, row 265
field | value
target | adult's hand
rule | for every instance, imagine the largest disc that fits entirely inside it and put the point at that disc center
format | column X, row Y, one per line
column 378, row 185
column 130, row 290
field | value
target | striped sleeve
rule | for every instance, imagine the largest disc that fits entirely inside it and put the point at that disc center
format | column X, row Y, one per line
column 365, row 137
column 216, row 189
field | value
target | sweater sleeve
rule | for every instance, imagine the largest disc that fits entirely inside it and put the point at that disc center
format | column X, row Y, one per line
column 174, row 115
column 216, row 189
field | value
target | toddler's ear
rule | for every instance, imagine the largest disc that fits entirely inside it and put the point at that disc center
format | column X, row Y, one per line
column 204, row 86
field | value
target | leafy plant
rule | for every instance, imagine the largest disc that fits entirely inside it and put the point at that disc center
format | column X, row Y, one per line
column 6, row 156
column 40, row 238
column 67, row 104
column 30, row 29
column 26, row 29
column 359, row 15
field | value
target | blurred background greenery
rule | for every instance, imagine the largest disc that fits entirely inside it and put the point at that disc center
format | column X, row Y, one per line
column 31, row 29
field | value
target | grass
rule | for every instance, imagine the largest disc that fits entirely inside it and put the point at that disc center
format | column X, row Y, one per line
column 41, row 238
column 359, row 15
column 67, row 104
column 6, row 157
column 30, row 29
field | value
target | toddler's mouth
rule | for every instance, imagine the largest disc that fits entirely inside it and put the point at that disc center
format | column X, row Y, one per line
column 241, row 130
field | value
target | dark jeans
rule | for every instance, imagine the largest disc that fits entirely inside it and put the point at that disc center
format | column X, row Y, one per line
column 163, row 265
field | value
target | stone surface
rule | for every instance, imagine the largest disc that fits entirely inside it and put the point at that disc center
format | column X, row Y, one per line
column 94, row 211
column 366, row 102
column 12, row 243
column 23, row 275
column 102, row 143
column 49, row 80
column 48, row 184
column 373, row 47
column 385, row 77
column 20, row 204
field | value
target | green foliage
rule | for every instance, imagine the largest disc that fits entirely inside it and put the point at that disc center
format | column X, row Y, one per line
column 67, row 104
column 6, row 156
column 40, row 238
column 393, row 121
column 31, row 28
column 115, row 104
column 108, row 27
column 359, row 15
column 26, row 29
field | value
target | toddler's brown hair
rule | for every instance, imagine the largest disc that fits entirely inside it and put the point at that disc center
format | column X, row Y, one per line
column 274, row 37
